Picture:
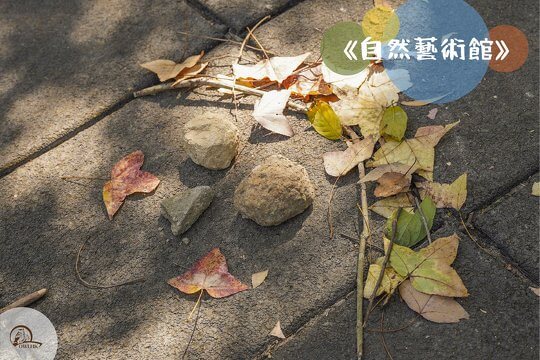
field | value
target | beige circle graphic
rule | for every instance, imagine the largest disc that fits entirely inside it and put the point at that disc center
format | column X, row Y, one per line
column 27, row 334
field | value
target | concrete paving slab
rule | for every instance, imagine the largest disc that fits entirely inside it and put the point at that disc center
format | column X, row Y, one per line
column 241, row 13
column 511, row 223
column 503, row 321
column 45, row 220
column 64, row 64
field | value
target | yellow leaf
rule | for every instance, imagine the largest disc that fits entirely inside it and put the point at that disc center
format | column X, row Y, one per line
column 324, row 120
column 443, row 249
column 536, row 189
column 427, row 273
column 394, row 123
column 419, row 151
column 364, row 106
column 386, row 207
column 447, row 195
column 389, row 283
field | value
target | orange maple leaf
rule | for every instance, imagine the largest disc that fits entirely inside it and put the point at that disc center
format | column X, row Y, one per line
column 210, row 273
column 126, row 179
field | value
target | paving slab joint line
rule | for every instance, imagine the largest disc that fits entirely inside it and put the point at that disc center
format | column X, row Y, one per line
column 483, row 241
column 503, row 192
column 206, row 13
column 37, row 152
column 279, row 343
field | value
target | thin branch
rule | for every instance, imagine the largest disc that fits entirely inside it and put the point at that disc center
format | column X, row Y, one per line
column 95, row 286
column 383, row 339
column 383, row 266
column 25, row 300
column 226, row 83
column 246, row 39
column 361, row 264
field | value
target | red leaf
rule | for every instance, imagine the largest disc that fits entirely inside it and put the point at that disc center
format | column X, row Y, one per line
column 127, row 179
column 210, row 273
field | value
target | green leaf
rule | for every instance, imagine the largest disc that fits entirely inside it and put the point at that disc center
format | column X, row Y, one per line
column 428, row 274
column 394, row 123
column 324, row 120
column 410, row 228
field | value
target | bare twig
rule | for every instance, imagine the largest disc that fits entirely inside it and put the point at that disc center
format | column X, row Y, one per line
column 361, row 264
column 383, row 339
column 383, row 266
column 95, row 286
column 226, row 83
column 250, row 34
column 25, row 300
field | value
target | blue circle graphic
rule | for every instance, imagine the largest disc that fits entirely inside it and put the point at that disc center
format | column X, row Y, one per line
column 441, row 65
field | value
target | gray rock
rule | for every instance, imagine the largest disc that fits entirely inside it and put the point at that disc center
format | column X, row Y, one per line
column 184, row 209
column 274, row 191
column 211, row 141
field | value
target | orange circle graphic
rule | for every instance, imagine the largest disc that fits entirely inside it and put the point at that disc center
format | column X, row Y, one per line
column 517, row 44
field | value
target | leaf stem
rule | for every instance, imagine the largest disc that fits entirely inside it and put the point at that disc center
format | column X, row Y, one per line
column 196, row 303
column 194, row 325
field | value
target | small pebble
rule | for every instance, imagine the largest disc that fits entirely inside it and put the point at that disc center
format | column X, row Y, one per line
column 185, row 241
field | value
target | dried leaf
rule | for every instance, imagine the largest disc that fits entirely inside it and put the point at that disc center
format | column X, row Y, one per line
column 277, row 332
column 410, row 227
column 443, row 249
column 364, row 106
column 391, row 184
column 392, row 178
column 394, row 123
column 536, row 291
column 269, row 112
column 258, row 278
column 388, row 206
column 419, row 151
column 127, row 179
column 422, row 102
column 378, row 172
column 168, row 69
column 447, row 195
column 189, row 73
column 427, row 273
column 324, row 120
column 390, row 280
column 210, row 273
column 339, row 163
column 433, row 113
column 276, row 69
column 536, row 189
column 439, row 309
column 308, row 82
